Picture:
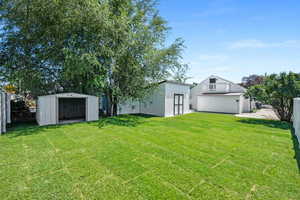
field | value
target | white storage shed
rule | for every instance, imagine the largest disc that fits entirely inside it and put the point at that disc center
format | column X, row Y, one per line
column 66, row 108
column 5, row 111
column 170, row 98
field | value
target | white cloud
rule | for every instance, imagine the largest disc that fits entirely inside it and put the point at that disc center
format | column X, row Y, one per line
column 253, row 43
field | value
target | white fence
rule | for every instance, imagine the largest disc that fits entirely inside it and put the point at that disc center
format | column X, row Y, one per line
column 296, row 120
column 4, row 111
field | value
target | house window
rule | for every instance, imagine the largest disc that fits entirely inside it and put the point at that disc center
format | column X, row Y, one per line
column 132, row 107
column 212, row 84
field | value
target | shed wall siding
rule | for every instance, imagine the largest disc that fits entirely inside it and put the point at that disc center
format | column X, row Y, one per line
column 296, row 116
column 129, row 107
column 93, row 108
column 5, row 116
column 170, row 90
column 154, row 104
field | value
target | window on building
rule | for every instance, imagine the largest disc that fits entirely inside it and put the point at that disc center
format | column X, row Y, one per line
column 212, row 84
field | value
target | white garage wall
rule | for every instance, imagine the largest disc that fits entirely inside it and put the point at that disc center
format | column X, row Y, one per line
column 296, row 116
column 219, row 103
column 171, row 89
column 245, row 104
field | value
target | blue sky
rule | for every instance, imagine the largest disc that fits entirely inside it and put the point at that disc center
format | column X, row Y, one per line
column 235, row 38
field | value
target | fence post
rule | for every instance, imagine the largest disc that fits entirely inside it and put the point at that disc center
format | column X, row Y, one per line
column 296, row 117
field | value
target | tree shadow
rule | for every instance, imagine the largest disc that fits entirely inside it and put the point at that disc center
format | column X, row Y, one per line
column 25, row 129
column 268, row 123
column 131, row 120
column 296, row 148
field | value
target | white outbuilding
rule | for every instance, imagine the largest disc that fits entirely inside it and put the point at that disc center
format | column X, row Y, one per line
column 5, row 111
column 170, row 98
column 66, row 108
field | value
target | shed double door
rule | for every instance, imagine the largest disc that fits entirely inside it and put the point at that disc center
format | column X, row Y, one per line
column 178, row 104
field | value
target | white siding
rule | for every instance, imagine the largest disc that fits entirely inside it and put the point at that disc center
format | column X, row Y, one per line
column 296, row 115
column 154, row 104
column 245, row 104
column 172, row 89
column 47, row 110
column 92, row 108
column 219, row 103
column 8, row 109
column 129, row 107
column 5, row 116
column 2, row 112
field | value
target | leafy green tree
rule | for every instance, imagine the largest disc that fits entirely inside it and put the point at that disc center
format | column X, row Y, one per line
column 278, row 90
column 116, row 47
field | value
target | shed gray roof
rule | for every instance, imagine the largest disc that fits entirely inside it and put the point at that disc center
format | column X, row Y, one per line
column 175, row 82
column 69, row 94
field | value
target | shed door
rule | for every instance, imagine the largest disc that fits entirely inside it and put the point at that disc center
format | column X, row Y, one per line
column 72, row 108
column 178, row 104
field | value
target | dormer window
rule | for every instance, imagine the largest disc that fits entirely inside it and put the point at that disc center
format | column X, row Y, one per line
column 212, row 84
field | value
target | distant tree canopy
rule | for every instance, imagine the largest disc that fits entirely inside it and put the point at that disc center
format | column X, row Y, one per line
column 278, row 90
column 115, row 47
column 252, row 80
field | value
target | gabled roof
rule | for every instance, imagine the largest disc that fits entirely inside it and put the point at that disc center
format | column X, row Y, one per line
column 218, row 77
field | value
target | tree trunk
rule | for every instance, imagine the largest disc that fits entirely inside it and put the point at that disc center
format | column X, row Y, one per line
column 109, row 104
column 115, row 109
column 115, row 106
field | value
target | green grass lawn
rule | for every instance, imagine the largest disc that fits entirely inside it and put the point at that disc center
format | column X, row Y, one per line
column 195, row 156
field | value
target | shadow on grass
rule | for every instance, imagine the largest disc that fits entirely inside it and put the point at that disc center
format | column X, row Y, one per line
column 268, row 123
column 124, row 120
column 296, row 147
column 24, row 129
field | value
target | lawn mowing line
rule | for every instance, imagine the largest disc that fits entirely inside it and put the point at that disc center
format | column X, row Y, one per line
column 184, row 169
column 219, row 163
column 223, row 143
column 134, row 178
column 26, row 166
column 172, row 152
column 50, row 172
column 170, row 163
column 168, row 184
column 253, row 189
column 103, row 178
column 266, row 168
column 223, row 138
column 64, row 166
column 102, row 166
column 192, row 172
column 195, row 186
column 165, row 150
column 239, row 128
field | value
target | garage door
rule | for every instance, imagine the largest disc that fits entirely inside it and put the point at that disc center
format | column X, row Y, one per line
column 218, row 103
